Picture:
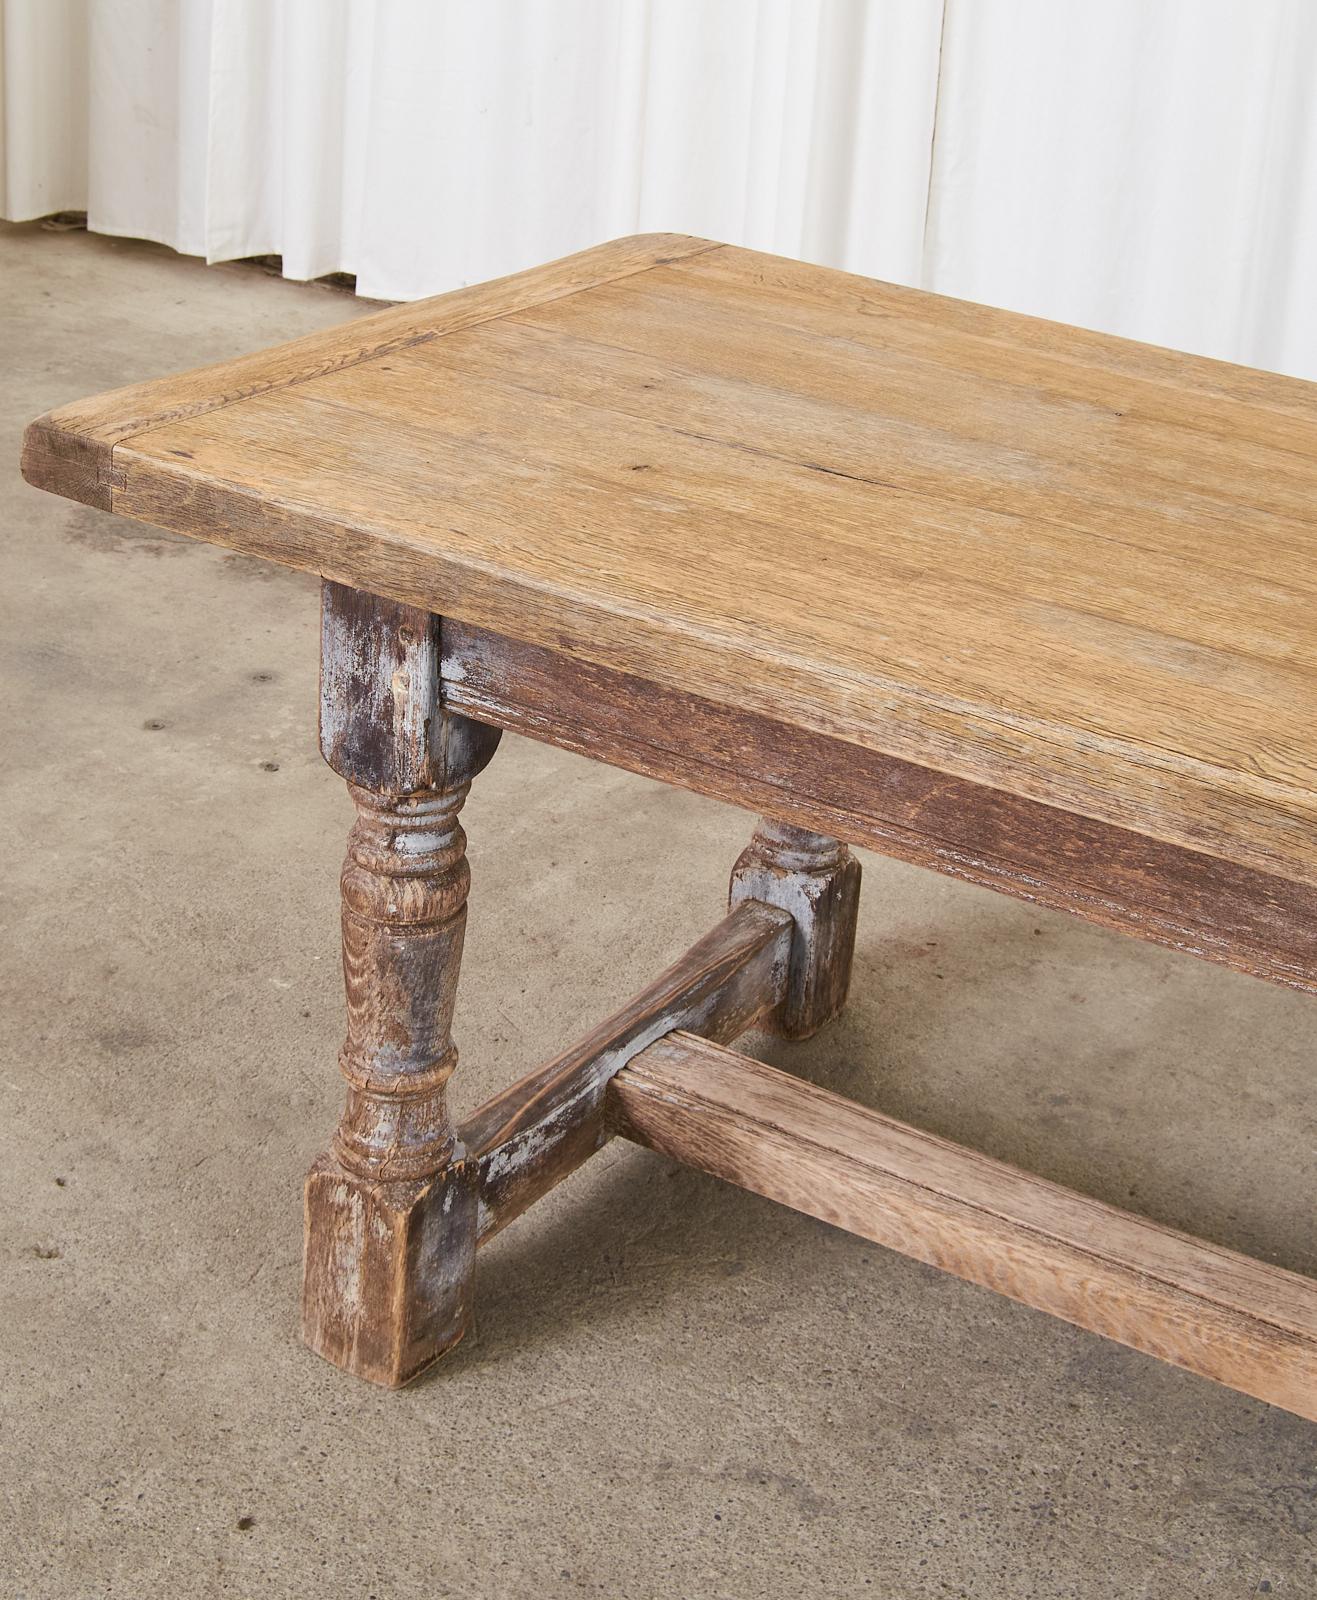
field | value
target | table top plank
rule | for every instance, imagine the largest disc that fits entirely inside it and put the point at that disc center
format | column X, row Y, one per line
column 848, row 366
column 932, row 464
column 571, row 380
column 945, row 326
column 1032, row 557
column 69, row 451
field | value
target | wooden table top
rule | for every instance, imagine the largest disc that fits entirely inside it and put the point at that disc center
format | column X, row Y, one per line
column 1060, row 564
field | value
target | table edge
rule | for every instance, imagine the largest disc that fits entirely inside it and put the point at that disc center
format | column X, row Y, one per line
column 70, row 451
column 1186, row 900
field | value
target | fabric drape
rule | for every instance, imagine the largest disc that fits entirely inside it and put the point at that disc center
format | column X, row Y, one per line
column 1147, row 167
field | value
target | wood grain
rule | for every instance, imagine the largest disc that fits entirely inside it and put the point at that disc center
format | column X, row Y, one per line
column 383, row 722
column 1222, row 1315
column 390, row 1210
column 404, row 889
column 387, row 1268
column 817, row 881
column 1259, row 923
column 1057, row 565
column 530, row 1136
column 69, row 451
column 389, row 1260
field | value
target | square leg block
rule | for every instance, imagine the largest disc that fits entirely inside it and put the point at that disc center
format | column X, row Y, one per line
column 388, row 1269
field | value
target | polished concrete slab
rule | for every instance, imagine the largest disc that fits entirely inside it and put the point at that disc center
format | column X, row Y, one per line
column 673, row 1388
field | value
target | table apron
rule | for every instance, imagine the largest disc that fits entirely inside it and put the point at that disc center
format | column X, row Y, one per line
column 1258, row 923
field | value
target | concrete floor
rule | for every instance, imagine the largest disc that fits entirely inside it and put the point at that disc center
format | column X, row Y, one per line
column 674, row 1388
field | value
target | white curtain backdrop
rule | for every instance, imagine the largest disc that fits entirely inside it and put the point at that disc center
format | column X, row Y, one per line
column 1148, row 167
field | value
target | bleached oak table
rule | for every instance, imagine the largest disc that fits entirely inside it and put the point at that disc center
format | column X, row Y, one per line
column 1028, row 605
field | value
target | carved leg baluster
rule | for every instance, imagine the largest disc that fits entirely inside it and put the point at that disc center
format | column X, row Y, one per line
column 390, row 1211
column 817, row 880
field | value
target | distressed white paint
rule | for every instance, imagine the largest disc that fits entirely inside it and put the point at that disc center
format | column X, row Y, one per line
column 349, row 1244
column 690, row 1004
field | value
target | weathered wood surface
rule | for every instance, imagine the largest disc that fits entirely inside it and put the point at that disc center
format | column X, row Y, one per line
column 409, row 765
column 530, row 1136
column 70, row 451
column 1222, row 1315
column 390, row 1262
column 383, row 724
column 387, row 1269
column 385, row 1283
column 390, row 1213
column 1049, row 563
column 1258, row 923
column 817, row 881
column 405, row 884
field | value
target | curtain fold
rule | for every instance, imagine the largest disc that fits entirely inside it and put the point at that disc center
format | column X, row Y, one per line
column 423, row 144
column 1148, row 167
column 43, row 107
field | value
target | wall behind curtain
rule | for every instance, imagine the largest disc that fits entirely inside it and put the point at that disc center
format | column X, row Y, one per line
column 1148, row 167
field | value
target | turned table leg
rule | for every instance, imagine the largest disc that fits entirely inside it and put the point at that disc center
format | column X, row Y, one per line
column 391, row 1209
column 817, row 880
